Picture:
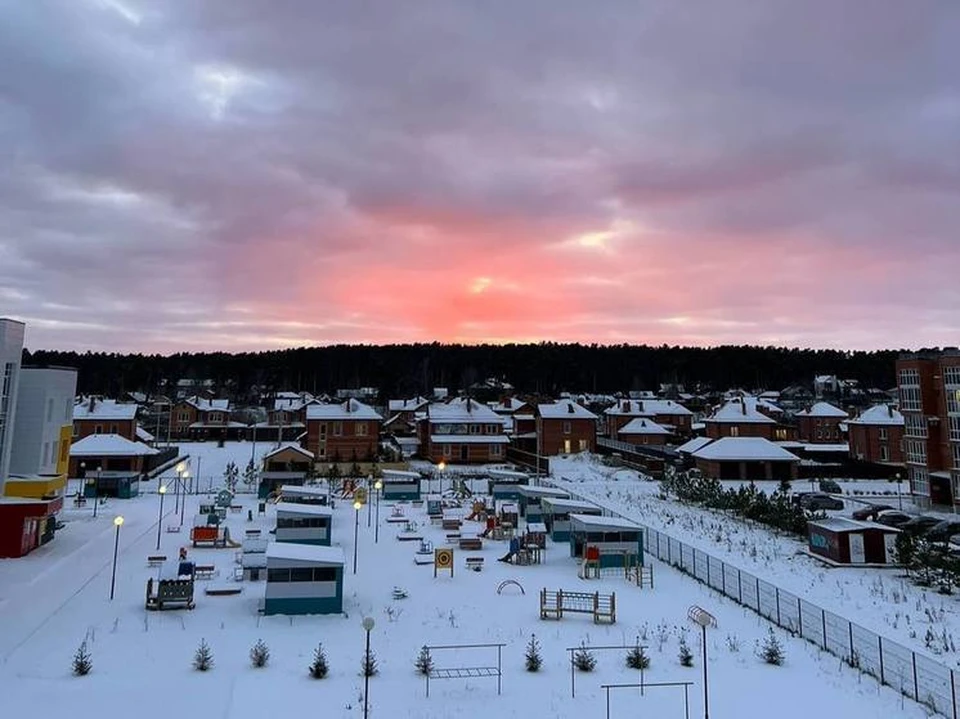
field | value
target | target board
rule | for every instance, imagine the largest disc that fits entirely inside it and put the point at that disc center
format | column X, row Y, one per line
column 442, row 559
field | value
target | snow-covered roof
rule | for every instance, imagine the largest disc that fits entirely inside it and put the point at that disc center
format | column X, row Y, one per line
column 823, row 409
column 398, row 475
column 109, row 445
column 462, row 411
column 144, row 436
column 543, row 492
column 881, row 414
column 574, row 505
column 469, row 438
column 642, row 425
column 107, row 409
column 299, row 490
column 843, row 524
column 594, row 522
column 314, row 510
column 406, row 405
column 646, row 408
column 291, row 404
column 693, row 445
column 214, row 425
column 740, row 411
column 291, row 551
column 208, row 405
column 350, row 409
column 289, row 445
column 565, row 409
column 743, row 448
column 509, row 404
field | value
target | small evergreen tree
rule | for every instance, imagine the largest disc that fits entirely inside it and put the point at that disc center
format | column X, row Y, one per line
column 230, row 476
column 82, row 661
column 259, row 654
column 584, row 660
column 637, row 658
column 368, row 667
column 533, row 659
column 685, row 655
column 250, row 475
column 424, row 662
column 203, row 657
column 771, row 650
column 318, row 668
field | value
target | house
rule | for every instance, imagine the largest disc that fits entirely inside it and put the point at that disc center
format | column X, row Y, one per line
column 344, row 432
column 745, row 417
column 406, row 409
column 643, row 431
column 876, row 436
column 93, row 416
column 556, row 513
column 401, row 423
column 287, row 464
column 565, row 427
column 111, row 465
column 462, row 431
column 303, row 523
column 519, row 419
column 820, row 424
column 303, row 579
column 665, row 412
column 745, row 458
column 287, row 415
column 201, row 418
column 615, row 542
column 847, row 541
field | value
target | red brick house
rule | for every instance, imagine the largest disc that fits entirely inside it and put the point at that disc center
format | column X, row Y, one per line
column 565, row 427
column 671, row 415
column 745, row 458
column 520, row 417
column 406, row 410
column 743, row 417
column 201, row 418
column 643, row 431
column 820, row 424
column 347, row 431
column 93, row 416
column 462, row 431
column 877, row 435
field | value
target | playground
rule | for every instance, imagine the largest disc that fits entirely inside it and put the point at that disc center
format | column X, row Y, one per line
column 479, row 621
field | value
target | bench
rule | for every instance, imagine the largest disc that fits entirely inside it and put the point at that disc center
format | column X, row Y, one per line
column 236, row 508
column 453, row 537
column 204, row 571
column 450, row 524
column 222, row 591
column 474, row 563
column 155, row 560
column 250, row 533
column 173, row 528
column 471, row 544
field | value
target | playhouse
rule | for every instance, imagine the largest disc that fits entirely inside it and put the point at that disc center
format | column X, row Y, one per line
column 118, row 484
column 556, row 515
column 288, row 464
column 304, row 523
column 529, row 500
column 400, row 485
column 608, row 541
column 505, row 484
column 297, row 494
column 303, row 579
column 847, row 541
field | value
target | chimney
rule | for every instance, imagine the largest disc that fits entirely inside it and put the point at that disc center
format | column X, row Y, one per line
column 743, row 405
column 890, row 410
column 626, row 405
column 640, row 404
column 93, row 403
column 570, row 409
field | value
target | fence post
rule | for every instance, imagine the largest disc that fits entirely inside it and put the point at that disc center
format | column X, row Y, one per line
column 850, row 631
column 759, row 611
column 776, row 591
column 740, row 586
column 953, row 694
column 916, row 684
column 723, row 576
column 823, row 619
column 800, row 616
column 694, row 552
column 708, row 571
column 880, row 651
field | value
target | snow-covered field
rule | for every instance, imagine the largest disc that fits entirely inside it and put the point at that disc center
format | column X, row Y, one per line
column 55, row 598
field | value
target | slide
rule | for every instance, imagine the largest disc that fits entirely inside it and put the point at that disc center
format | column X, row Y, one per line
column 227, row 542
column 508, row 557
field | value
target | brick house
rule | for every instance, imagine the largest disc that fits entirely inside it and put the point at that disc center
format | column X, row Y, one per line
column 643, row 431
column 565, row 427
column 820, row 424
column 93, row 416
column 745, row 458
column 347, row 431
column 876, row 436
column 462, row 431
column 743, row 417
column 200, row 418
column 671, row 415
column 520, row 417
column 406, row 410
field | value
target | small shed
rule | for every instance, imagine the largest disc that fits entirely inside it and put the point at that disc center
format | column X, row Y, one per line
column 505, row 484
column 304, row 523
column 303, row 579
column 848, row 541
column 400, row 485
column 26, row 524
column 287, row 464
column 618, row 542
column 529, row 500
column 118, row 484
column 556, row 515
column 296, row 494
column 253, row 558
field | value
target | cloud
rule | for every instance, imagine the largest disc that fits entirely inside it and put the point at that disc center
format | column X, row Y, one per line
column 202, row 175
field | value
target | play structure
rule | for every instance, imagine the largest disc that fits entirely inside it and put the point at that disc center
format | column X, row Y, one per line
column 556, row 515
column 522, row 553
column 304, row 523
column 529, row 500
column 505, row 484
column 396, row 515
column 299, row 494
column 303, row 579
column 510, row 583
column 603, row 607
column 400, row 485
column 173, row 589
column 478, row 512
column 442, row 559
column 212, row 535
column 410, row 532
column 466, row 672
column 424, row 555
column 606, row 542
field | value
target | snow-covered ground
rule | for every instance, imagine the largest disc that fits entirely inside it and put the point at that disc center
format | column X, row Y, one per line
column 56, row 597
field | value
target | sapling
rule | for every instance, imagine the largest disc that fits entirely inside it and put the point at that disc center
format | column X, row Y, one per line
column 770, row 650
column 203, row 657
column 637, row 658
column 532, row 657
column 424, row 661
column 259, row 654
column 82, row 662
column 584, row 660
column 318, row 668
column 368, row 667
column 685, row 655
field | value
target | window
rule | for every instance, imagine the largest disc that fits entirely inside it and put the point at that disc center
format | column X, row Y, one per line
column 98, row 429
column 496, row 450
column 113, row 429
column 447, row 450
column 76, row 430
column 884, row 453
column 956, row 455
column 360, row 428
column 953, row 401
column 583, row 445
column 45, row 458
column 183, row 416
column 951, row 376
column 6, row 389
column 914, row 426
column 916, row 451
column 954, row 432
column 883, row 434
column 780, row 433
column 910, row 400
column 474, row 429
column 566, row 428
column 68, row 409
column 734, row 431
column 919, row 481
column 301, row 574
column 338, row 429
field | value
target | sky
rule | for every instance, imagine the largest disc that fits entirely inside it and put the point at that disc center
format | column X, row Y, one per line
column 246, row 175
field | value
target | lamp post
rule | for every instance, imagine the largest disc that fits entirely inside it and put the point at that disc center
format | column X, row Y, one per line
column 899, row 496
column 162, row 490
column 356, row 531
column 376, row 529
column 703, row 619
column 369, row 503
column 368, row 624
column 83, row 480
column 96, row 490
column 117, row 522
column 442, row 466
column 183, row 500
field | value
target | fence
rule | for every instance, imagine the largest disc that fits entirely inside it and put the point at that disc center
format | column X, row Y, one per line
column 915, row 675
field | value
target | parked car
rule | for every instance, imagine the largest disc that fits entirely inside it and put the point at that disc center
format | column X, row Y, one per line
column 918, row 525
column 819, row 500
column 869, row 511
column 942, row 531
column 828, row 485
column 893, row 518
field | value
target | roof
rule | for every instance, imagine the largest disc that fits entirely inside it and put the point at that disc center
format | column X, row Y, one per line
column 317, row 510
column 593, row 521
column 740, row 411
column 642, row 425
column 691, row 446
column 565, row 409
column 207, row 405
column 289, row 445
column 304, row 553
column 406, row 405
column 823, row 409
column 303, row 491
column 543, row 492
column 842, row 524
column 744, row 448
column 106, row 409
column 509, row 404
column 350, row 409
column 397, row 475
column 462, row 411
column 143, row 435
column 574, row 504
column 880, row 414
column 647, row 408
column 109, row 445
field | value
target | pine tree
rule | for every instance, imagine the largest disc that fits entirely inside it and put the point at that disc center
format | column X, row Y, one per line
column 250, row 474
column 368, row 667
column 424, row 662
column 318, row 669
column 82, row 662
column 533, row 659
column 203, row 657
column 685, row 655
column 230, row 476
column 771, row 650
column 259, row 654
column 584, row 660
column 637, row 658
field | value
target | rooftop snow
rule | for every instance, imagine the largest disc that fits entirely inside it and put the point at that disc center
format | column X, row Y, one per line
column 879, row 414
column 642, row 425
column 462, row 411
column 566, row 409
column 647, row 408
column 106, row 410
column 595, row 522
column 744, row 448
column 823, row 409
column 304, row 553
column 350, row 409
column 694, row 444
column 109, row 445
column 289, row 445
column 740, row 411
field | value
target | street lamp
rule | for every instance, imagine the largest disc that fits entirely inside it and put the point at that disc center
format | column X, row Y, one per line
column 183, row 500
column 357, row 504
column 369, row 504
column 181, row 468
column 703, row 619
column 117, row 522
column 162, row 490
column 376, row 531
column 96, row 490
column 442, row 466
column 368, row 625
column 899, row 496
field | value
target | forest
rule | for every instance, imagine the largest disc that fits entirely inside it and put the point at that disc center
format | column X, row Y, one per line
column 543, row 369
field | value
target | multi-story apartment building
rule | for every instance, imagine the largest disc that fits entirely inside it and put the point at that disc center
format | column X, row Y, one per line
column 929, row 388
column 11, row 350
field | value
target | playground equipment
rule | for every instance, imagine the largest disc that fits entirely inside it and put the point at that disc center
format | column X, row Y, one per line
column 523, row 552
column 215, row 536
column 442, row 559
column 399, row 593
column 396, row 515
column 508, row 583
column 478, row 512
column 410, row 532
column 170, row 594
column 424, row 555
column 467, row 672
column 603, row 607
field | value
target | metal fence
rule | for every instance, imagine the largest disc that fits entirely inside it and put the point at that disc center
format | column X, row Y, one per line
column 915, row 675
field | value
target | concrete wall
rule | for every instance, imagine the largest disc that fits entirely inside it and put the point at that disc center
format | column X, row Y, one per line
column 11, row 350
column 44, row 407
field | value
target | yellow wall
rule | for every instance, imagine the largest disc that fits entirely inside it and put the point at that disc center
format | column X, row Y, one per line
column 35, row 488
column 66, row 439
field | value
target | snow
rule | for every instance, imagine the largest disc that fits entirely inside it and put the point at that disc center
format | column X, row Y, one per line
column 640, row 425
column 315, row 510
column 593, row 521
column 823, row 409
column 304, row 553
column 58, row 596
column 462, row 411
column 694, row 444
column 567, row 409
column 289, row 445
column 109, row 445
column 741, row 411
column 647, row 408
column 105, row 410
column 881, row 414
column 743, row 448
column 469, row 438
column 350, row 409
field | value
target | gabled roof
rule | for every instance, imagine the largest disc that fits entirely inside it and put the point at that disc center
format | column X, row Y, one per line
column 744, row 448
column 406, row 405
column 201, row 404
column 565, row 409
column 740, row 411
column 350, row 409
column 881, row 414
column 823, row 409
column 462, row 411
column 643, row 425
column 109, row 445
column 508, row 405
column 692, row 445
column 143, row 435
column 107, row 409
column 289, row 445
column 646, row 408
column 292, row 404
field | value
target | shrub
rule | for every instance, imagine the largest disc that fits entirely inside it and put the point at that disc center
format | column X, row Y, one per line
column 82, row 662
column 259, row 654
column 424, row 662
column 368, row 667
column 584, row 660
column 685, row 655
column 203, row 657
column 533, row 659
column 770, row 650
column 637, row 658
column 318, row 668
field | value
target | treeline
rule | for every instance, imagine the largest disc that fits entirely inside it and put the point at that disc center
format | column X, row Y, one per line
column 546, row 368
